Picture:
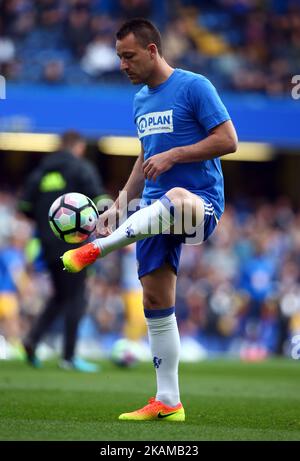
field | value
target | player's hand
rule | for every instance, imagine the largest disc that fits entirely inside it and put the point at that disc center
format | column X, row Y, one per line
column 107, row 222
column 158, row 164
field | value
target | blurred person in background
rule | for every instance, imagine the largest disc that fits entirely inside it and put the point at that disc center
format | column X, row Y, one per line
column 53, row 73
column 60, row 173
column 15, row 282
column 135, row 326
column 100, row 57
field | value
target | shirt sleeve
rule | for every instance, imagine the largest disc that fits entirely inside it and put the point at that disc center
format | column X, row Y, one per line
column 207, row 104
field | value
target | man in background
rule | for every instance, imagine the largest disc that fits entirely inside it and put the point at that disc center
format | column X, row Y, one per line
column 135, row 328
column 60, row 173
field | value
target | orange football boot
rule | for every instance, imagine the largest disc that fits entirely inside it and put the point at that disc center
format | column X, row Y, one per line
column 155, row 410
column 79, row 258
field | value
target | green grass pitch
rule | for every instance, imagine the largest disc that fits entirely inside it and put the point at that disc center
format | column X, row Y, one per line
column 224, row 400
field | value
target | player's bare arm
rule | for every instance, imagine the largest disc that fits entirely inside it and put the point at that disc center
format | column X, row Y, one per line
column 221, row 140
column 132, row 189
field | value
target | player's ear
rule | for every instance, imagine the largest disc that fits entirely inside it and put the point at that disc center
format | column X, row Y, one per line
column 152, row 48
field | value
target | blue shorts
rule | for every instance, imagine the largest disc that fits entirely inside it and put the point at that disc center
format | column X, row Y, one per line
column 153, row 252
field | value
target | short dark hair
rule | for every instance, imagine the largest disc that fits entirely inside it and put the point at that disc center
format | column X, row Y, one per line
column 70, row 138
column 144, row 31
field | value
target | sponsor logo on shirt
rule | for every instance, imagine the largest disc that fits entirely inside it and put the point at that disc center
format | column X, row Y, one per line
column 155, row 123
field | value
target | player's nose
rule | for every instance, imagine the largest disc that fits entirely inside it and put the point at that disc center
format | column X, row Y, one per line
column 123, row 65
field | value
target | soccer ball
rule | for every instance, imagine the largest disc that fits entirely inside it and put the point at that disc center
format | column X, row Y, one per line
column 73, row 217
column 125, row 353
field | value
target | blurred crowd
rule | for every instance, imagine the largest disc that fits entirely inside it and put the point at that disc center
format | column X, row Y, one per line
column 238, row 294
column 241, row 45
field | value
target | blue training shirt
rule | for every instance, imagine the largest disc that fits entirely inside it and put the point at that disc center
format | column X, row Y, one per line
column 179, row 112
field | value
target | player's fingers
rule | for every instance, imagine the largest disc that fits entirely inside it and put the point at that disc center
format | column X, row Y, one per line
column 101, row 224
column 146, row 163
column 150, row 173
column 104, row 232
column 154, row 176
column 147, row 173
column 98, row 233
column 109, row 230
column 148, row 168
column 156, row 173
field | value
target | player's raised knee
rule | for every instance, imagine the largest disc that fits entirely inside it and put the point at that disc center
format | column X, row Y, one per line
column 178, row 194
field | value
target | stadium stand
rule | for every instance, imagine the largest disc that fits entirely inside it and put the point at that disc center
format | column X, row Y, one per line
column 239, row 45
